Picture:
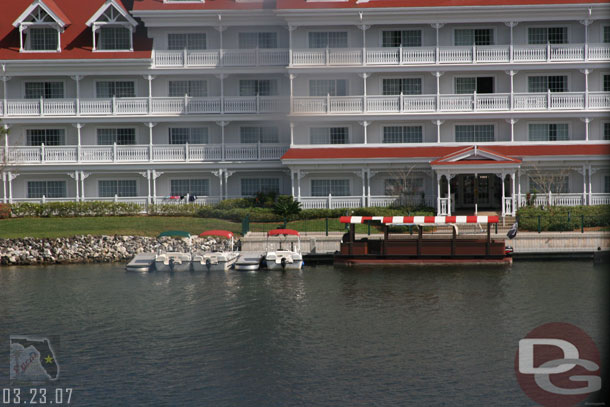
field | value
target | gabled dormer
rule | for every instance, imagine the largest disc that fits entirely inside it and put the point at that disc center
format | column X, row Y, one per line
column 112, row 28
column 475, row 155
column 40, row 27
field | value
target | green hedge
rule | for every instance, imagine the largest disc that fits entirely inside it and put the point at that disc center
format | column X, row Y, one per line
column 563, row 218
column 68, row 209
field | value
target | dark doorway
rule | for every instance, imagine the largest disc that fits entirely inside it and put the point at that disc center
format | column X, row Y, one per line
column 485, row 84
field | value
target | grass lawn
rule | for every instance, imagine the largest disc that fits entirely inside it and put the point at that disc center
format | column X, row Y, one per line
column 119, row 225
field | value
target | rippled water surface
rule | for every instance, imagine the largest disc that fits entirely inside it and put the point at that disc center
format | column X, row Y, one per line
column 323, row 336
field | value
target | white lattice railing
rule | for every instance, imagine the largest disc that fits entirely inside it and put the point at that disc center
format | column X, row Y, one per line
column 332, row 202
column 227, row 57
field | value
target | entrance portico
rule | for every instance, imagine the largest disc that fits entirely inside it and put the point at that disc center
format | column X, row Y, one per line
column 476, row 178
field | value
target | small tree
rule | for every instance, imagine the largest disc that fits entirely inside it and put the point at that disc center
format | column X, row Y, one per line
column 549, row 181
column 401, row 184
column 3, row 157
column 286, row 207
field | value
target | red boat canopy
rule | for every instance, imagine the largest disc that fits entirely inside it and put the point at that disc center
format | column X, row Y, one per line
column 420, row 220
column 221, row 233
column 276, row 232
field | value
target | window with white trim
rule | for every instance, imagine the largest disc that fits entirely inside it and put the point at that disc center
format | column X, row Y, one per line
column 542, row 183
column 191, row 135
column 39, row 30
column 474, row 133
column 253, row 186
column 119, row 89
column 260, row 87
column 112, row 29
column 331, row 87
column 408, row 186
column 406, row 86
column 114, row 38
column 548, row 131
column 402, row 134
column 547, row 35
column 45, row 90
column 42, row 39
column 401, row 38
column 251, row 40
column 334, row 187
column 192, row 88
column 328, row 135
column 255, row 134
column 197, row 187
column 607, row 131
column 476, row 36
column 190, row 41
column 554, row 83
column 48, row 137
column 110, row 188
column 48, row 189
column 122, row 137
column 479, row 84
column 333, row 39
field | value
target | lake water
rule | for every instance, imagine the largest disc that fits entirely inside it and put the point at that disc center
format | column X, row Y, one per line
column 320, row 337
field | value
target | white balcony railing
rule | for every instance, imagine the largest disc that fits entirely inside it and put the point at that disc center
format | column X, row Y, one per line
column 217, row 58
column 144, row 153
column 452, row 103
column 140, row 106
column 451, row 55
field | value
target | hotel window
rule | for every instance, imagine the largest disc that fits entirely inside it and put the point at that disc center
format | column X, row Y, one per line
column 257, row 40
column 606, row 83
column 46, row 90
column 557, row 83
column 607, row 131
column 328, row 39
column 328, row 135
column 195, row 135
column 406, row 86
column 479, row 36
column 474, row 133
column 253, row 186
column 547, row 35
column 606, row 34
column 260, row 87
column 42, row 39
column 331, row 87
column 334, row 187
column 108, row 189
column 119, row 89
column 409, row 186
column 482, row 84
column 114, row 38
column 192, row 41
column 48, row 137
column 255, row 134
column 557, row 184
column 401, row 38
column 194, row 88
column 122, row 137
column 548, row 132
column 607, row 184
column 48, row 189
column 197, row 187
column 402, row 134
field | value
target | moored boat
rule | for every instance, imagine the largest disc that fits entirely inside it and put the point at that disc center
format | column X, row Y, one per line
column 283, row 258
column 173, row 261
column 217, row 260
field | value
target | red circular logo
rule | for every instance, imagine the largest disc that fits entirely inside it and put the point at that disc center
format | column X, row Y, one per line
column 558, row 364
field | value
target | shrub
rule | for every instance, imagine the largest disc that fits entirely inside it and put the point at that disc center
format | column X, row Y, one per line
column 68, row 209
column 563, row 218
column 286, row 207
column 5, row 211
column 174, row 210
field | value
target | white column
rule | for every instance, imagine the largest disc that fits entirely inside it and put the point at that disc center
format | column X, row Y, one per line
column 154, row 186
column 368, row 186
column 364, row 76
column 220, row 29
column 150, row 79
column 291, row 134
column 437, row 27
column 512, row 194
column 438, row 193
column 4, row 187
column 291, row 28
column 586, row 23
column 6, row 152
column 299, row 185
column 519, row 187
column 503, row 194
column 449, row 194
column 438, row 129
column 292, row 184
column 150, row 140
column 222, row 125
column 78, row 126
column 512, row 122
column 590, row 190
column 291, row 77
column 584, row 184
column 220, row 183
column 148, row 191
column 227, row 174
column 586, row 72
column 222, row 93
column 76, row 180
column 21, row 30
column 94, row 29
column 77, row 79
column 438, row 89
column 10, row 177
column 83, row 176
column 363, row 176
column 365, row 125
column 4, row 91
column 586, row 121
column 512, row 73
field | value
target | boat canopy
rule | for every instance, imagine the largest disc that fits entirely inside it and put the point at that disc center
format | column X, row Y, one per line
column 277, row 232
column 220, row 233
column 420, row 220
column 175, row 233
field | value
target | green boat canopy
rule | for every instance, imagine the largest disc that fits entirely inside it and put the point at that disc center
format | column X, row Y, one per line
column 175, row 233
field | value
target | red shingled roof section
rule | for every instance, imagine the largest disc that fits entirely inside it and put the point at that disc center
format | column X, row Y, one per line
column 436, row 152
column 77, row 39
column 303, row 4
column 58, row 11
column 207, row 5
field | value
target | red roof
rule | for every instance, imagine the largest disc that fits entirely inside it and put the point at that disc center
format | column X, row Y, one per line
column 77, row 39
column 441, row 151
column 57, row 11
column 207, row 5
column 303, row 4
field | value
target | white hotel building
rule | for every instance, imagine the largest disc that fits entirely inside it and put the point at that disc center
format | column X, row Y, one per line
column 333, row 101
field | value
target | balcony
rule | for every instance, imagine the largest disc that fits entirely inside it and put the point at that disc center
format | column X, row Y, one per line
column 452, row 103
column 175, row 153
column 451, row 55
column 144, row 106
column 221, row 58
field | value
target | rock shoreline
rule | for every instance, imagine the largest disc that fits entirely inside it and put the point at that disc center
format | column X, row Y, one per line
column 95, row 249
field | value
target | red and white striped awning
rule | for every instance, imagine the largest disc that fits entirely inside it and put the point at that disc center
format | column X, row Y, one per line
column 420, row 220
